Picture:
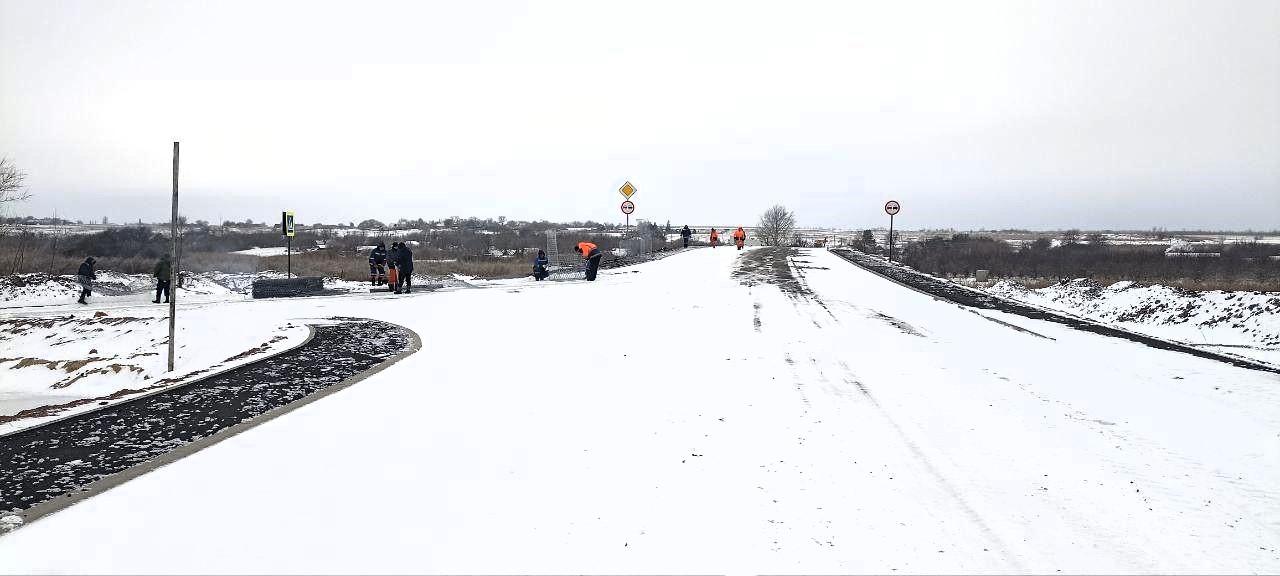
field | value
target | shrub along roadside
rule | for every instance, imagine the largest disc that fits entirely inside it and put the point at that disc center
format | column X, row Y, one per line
column 135, row 249
column 1240, row 267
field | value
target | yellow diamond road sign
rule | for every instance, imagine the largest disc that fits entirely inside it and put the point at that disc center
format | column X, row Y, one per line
column 627, row 190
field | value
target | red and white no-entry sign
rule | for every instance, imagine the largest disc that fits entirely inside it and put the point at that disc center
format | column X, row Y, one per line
column 892, row 207
column 628, row 207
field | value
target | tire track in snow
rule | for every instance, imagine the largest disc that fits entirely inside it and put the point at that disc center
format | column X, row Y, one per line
column 932, row 471
column 789, row 513
column 1145, row 489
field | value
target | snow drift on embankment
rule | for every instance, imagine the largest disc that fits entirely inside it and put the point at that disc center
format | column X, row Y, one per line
column 1240, row 323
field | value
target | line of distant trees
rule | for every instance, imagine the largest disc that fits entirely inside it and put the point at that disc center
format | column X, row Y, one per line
column 1089, row 257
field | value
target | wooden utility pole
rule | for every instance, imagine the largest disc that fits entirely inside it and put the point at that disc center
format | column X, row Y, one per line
column 173, row 270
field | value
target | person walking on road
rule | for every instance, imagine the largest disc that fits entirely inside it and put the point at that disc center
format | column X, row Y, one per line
column 591, row 253
column 685, row 233
column 540, row 266
column 85, row 276
column 404, row 265
column 378, row 264
column 715, row 238
column 163, row 272
column 740, row 237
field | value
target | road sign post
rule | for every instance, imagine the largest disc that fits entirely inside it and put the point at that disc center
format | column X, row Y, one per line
column 627, row 190
column 627, row 208
column 891, row 207
column 286, row 228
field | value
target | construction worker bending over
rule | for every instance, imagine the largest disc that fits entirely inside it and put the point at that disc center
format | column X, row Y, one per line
column 592, row 255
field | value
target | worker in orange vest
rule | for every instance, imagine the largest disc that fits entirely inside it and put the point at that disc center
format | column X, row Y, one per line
column 740, row 237
column 591, row 253
column 715, row 238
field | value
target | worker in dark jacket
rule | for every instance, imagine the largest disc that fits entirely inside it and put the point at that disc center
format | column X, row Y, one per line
column 540, row 266
column 404, row 268
column 86, row 275
column 685, row 233
column 378, row 264
column 163, row 272
column 393, row 263
column 592, row 255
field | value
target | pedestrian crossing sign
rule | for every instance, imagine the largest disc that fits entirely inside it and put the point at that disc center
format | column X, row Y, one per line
column 627, row 190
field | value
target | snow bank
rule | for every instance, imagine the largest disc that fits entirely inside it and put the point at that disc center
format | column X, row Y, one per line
column 25, row 290
column 267, row 251
column 1242, row 323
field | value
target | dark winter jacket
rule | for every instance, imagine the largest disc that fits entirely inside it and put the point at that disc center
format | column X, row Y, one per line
column 405, row 260
column 540, row 262
column 164, row 269
column 86, row 270
column 686, row 232
column 393, row 256
column 378, row 255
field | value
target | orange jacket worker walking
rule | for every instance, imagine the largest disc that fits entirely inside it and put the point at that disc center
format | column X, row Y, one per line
column 591, row 253
column 739, row 237
column 715, row 237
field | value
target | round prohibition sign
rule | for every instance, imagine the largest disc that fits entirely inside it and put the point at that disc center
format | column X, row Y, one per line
column 628, row 207
column 892, row 207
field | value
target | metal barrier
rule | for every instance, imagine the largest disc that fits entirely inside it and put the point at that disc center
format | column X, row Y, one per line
column 286, row 287
column 637, row 246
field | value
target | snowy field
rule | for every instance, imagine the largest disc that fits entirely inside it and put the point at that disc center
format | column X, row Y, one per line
column 1240, row 323
column 698, row 414
column 58, row 358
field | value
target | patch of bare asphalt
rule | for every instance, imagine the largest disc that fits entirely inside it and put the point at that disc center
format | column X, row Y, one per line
column 50, row 461
column 770, row 265
column 899, row 324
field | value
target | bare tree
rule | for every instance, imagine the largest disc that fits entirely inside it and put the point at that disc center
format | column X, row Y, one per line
column 777, row 226
column 11, row 189
column 11, row 179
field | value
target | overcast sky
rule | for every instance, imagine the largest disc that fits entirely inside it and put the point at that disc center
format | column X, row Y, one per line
column 1114, row 114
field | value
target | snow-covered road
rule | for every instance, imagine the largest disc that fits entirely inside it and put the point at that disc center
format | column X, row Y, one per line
column 676, row 417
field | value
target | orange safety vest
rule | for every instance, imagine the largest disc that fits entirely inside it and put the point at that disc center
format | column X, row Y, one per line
column 714, row 235
column 739, row 234
column 586, row 248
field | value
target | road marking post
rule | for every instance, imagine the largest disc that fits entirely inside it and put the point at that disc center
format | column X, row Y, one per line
column 627, row 190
